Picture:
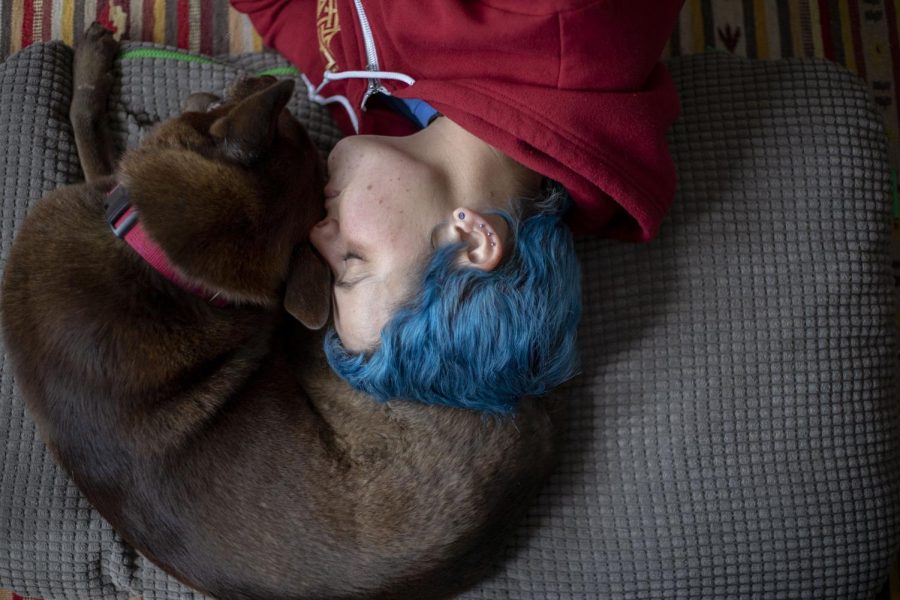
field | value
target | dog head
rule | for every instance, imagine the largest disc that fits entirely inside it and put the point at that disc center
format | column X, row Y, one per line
column 229, row 190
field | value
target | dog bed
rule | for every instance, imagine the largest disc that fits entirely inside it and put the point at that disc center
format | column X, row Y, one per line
column 734, row 430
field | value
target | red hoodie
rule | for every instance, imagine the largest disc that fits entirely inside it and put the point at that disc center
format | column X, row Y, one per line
column 572, row 89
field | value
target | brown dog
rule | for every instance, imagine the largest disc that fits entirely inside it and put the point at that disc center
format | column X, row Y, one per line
column 197, row 416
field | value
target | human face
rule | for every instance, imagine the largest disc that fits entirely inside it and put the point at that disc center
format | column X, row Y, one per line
column 384, row 199
column 388, row 199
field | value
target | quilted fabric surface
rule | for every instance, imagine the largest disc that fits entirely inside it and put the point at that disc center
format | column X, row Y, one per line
column 734, row 429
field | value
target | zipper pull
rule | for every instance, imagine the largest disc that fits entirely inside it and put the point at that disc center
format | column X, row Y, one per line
column 372, row 89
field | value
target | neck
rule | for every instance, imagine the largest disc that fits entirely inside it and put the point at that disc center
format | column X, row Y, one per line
column 480, row 176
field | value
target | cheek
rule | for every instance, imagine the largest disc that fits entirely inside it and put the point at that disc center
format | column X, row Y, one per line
column 383, row 238
column 364, row 220
column 377, row 211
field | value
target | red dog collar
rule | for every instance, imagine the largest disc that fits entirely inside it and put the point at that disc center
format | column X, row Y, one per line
column 122, row 217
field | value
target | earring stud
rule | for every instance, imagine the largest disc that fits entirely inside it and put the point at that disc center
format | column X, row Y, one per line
column 461, row 215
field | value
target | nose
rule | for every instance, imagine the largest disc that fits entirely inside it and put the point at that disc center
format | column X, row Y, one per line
column 324, row 237
column 326, row 228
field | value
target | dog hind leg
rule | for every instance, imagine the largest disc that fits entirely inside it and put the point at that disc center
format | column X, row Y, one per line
column 92, row 74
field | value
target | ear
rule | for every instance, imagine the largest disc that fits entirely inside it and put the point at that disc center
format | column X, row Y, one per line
column 308, row 294
column 485, row 237
column 248, row 130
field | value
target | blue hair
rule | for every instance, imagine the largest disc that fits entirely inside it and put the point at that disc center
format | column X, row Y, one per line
column 475, row 339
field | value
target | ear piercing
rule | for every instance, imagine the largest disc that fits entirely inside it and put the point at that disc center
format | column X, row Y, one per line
column 462, row 216
column 489, row 233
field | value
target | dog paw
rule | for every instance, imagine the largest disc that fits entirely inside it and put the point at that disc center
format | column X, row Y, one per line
column 94, row 57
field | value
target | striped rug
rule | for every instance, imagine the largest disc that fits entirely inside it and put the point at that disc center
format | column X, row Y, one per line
column 7, row 595
column 204, row 26
column 859, row 34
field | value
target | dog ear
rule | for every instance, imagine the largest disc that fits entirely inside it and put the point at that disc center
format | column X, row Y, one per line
column 248, row 130
column 308, row 293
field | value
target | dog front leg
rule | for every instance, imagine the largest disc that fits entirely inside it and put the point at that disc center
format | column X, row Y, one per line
column 94, row 56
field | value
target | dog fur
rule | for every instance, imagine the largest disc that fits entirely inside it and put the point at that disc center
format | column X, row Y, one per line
column 216, row 440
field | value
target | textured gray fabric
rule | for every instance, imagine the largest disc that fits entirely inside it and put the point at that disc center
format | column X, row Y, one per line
column 734, row 431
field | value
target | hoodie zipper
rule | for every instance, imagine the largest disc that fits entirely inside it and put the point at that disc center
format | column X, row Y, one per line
column 372, row 74
column 371, row 54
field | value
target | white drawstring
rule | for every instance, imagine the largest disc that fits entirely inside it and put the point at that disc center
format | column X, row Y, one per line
column 314, row 96
column 328, row 77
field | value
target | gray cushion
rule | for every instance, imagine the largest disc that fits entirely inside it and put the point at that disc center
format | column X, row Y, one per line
column 734, row 430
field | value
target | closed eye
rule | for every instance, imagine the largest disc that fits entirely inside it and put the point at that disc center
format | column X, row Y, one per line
column 342, row 281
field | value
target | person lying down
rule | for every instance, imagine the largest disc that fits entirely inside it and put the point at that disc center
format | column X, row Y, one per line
column 481, row 137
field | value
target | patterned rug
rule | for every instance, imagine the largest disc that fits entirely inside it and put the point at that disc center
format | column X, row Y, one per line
column 862, row 35
column 7, row 595
column 204, row 26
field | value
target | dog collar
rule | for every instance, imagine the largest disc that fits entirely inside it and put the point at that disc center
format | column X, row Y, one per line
column 123, row 219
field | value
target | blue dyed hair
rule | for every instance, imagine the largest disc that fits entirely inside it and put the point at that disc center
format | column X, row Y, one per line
column 478, row 339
